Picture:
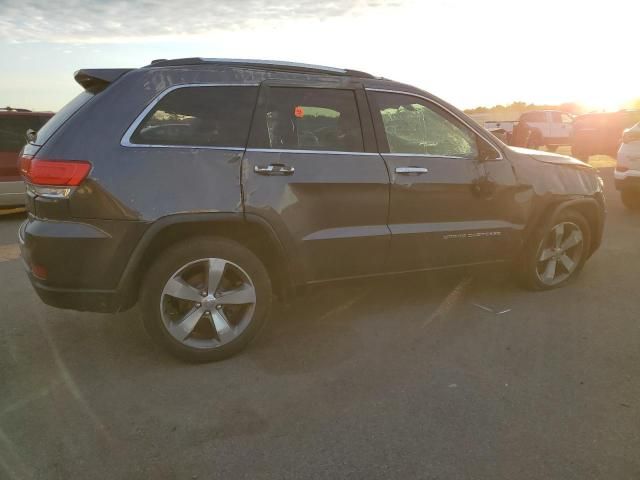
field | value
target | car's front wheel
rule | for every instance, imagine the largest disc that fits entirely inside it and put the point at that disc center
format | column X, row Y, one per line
column 204, row 299
column 556, row 253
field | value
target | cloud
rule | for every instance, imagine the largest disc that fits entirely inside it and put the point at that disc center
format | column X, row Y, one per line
column 113, row 21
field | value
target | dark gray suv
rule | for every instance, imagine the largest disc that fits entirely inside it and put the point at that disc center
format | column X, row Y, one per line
column 200, row 188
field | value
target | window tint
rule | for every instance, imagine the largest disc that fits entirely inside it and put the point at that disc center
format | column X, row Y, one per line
column 310, row 119
column 62, row 116
column 13, row 129
column 199, row 116
column 415, row 126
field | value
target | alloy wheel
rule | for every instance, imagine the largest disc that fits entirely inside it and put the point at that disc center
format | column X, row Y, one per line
column 560, row 253
column 207, row 303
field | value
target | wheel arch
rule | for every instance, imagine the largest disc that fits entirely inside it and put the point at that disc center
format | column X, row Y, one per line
column 249, row 230
column 586, row 206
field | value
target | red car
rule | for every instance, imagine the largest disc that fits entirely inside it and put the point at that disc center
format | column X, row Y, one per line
column 600, row 133
column 14, row 123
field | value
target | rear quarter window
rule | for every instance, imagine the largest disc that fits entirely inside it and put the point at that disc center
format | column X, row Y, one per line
column 207, row 116
column 55, row 122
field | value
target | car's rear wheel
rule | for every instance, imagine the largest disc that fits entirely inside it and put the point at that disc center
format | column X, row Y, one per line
column 556, row 253
column 205, row 299
column 630, row 198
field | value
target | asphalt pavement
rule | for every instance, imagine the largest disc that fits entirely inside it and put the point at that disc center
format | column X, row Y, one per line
column 458, row 375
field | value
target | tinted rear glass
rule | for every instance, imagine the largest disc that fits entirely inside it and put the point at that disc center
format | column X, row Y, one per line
column 534, row 117
column 199, row 116
column 62, row 116
column 310, row 119
column 13, row 129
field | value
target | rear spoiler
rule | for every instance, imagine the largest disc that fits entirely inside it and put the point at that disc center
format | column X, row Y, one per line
column 99, row 78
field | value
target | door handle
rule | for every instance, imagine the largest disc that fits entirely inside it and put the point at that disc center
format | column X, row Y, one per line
column 274, row 169
column 411, row 170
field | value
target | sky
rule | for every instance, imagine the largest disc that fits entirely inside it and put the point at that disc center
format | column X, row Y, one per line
column 469, row 52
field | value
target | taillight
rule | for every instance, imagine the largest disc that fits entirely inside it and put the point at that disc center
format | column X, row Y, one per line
column 53, row 178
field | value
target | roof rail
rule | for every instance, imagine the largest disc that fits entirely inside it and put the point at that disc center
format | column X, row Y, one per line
column 264, row 64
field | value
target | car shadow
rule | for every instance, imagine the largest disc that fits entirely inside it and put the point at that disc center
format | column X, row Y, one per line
column 326, row 327
column 333, row 323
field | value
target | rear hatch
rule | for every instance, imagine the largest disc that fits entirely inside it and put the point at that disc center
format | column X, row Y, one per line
column 51, row 181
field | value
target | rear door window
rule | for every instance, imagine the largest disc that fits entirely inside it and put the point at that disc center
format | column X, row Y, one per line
column 534, row 117
column 208, row 116
column 300, row 118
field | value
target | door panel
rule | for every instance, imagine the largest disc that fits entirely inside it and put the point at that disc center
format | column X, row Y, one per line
column 443, row 214
column 333, row 208
column 432, row 214
column 311, row 179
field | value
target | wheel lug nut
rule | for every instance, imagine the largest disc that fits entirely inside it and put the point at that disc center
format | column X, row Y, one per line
column 198, row 305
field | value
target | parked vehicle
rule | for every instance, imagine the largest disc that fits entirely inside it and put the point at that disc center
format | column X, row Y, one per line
column 600, row 133
column 627, row 172
column 535, row 129
column 14, row 123
column 202, row 188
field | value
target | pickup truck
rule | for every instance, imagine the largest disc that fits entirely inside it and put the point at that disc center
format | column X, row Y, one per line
column 535, row 129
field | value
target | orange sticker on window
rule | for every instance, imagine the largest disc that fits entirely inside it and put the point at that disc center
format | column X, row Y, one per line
column 299, row 112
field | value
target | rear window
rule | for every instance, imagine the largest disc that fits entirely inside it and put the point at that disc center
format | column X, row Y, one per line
column 199, row 116
column 533, row 117
column 61, row 117
column 300, row 118
column 13, row 129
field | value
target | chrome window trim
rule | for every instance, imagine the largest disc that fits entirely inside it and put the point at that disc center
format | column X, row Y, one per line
column 326, row 152
column 426, row 155
column 455, row 115
column 126, row 138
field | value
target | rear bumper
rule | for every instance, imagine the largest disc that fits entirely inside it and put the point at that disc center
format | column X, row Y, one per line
column 12, row 193
column 101, row 301
column 75, row 265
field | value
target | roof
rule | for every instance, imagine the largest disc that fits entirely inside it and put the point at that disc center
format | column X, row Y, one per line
column 262, row 64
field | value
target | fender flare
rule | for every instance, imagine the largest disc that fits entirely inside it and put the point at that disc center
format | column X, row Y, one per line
column 552, row 213
column 126, row 285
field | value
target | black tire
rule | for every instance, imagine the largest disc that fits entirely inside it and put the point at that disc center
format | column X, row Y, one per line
column 187, row 252
column 529, row 266
column 630, row 198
